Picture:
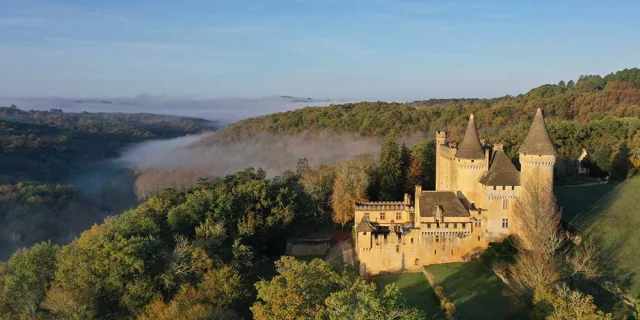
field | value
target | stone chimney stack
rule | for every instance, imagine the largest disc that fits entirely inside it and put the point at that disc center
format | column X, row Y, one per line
column 498, row 146
column 407, row 199
column 487, row 151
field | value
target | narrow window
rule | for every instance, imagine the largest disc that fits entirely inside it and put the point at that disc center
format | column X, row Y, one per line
column 446, row 226
column 417, row 262
column 411, row 240
column 428, row 225
column 451, row 252
column 437, row 238
column 464, row 225
column 435, row 252
column 478, row 238
column 505, row 204
column 398, row 215
column 381, row 215
column 505, row 222
column 397, row 248
column 478, row 223
column 455, row 226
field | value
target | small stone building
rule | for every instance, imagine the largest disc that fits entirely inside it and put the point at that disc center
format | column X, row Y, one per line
column 476, row 189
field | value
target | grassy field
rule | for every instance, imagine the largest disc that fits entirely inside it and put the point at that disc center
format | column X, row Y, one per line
column 474, row 288
column 578, row 201
column 416, row 289
column 613, row 222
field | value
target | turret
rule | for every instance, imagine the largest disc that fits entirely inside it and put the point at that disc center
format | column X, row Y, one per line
column 470, row 163
column 537, row 153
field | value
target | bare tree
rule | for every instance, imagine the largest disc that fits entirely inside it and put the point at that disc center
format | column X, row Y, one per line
column 583, row 261
column 538, row 237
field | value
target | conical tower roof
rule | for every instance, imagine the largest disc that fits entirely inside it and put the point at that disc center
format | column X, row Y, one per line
column 470, row 148
column 502, row 172
column 538, row 141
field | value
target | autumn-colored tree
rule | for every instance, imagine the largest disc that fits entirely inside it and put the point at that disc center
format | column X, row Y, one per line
column 562, row 303
column 350, row 185
column 421, row 170
column 297, row 292
column 212, row 298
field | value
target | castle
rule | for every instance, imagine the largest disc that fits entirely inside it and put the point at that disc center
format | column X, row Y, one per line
column 476, row 189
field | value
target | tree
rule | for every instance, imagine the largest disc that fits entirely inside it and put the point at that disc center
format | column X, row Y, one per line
column 350, row 185
column 362, row 301
column 561, row 303
column 422, row 167
column 212, row 298
column 536, row 224
column 24, row 279
column 297, row 292
column 318, row 184
column 391, row 170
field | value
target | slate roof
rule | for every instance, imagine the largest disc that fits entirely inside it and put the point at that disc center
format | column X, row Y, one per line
column 446, row 200
column 470, row 148
column 538, row 141
column 364, row 226
column 501, row 172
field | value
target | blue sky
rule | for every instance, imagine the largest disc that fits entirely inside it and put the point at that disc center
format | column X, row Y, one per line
column 349, row 49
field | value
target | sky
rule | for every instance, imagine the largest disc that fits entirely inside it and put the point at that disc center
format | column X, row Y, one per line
column 338, row 49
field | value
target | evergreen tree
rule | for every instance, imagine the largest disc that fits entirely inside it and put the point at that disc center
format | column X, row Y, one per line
column 391, row 170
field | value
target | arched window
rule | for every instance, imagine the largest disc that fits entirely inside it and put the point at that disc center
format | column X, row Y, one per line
column 397, row 248
column 417, row 262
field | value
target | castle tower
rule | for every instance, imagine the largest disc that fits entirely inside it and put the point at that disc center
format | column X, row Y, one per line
column 537, row 153
column 470, row 164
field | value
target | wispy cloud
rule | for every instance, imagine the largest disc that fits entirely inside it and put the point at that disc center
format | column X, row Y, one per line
column 138, row 44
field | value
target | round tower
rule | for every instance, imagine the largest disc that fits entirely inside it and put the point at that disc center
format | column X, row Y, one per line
column 537, row 154
column 470, row 164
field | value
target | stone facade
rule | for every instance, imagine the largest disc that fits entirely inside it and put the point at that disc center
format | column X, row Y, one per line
column 476, row 189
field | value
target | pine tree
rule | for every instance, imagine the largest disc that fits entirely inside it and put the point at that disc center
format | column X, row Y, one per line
column 391, row 170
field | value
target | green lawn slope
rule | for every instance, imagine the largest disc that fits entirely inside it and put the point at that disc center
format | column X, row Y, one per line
column 416, row 289
column 475, row 289
column 613, row 222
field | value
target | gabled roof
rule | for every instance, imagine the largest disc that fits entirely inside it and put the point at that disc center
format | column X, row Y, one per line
column 447, row 201
column 501, row 172
column 364, row 226
column 470, row 148
column 538, row 141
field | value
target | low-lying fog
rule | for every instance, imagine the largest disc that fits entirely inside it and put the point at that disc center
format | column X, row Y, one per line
column 224, row 110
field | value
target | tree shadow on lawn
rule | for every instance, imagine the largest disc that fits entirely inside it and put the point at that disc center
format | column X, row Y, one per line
column 478, row 293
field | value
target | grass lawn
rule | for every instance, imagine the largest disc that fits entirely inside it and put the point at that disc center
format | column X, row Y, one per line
column 474, row 288
column 416, row 289
column 613, row 222
column 578, row 201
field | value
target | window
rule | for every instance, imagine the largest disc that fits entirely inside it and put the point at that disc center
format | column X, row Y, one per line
column 398, row 215
column 397, row 248
column 478, row 223
column 505, row 222
column 411, row 240
column 505, row 204
column 366, row 215
column 478, row 238
column 464, row 225
column 435, row 252
column 437, row 238
column 381, row 215
column 451, row 252
column 417, row 262
column 428, row 225
column 446, row 226
column 455, row 226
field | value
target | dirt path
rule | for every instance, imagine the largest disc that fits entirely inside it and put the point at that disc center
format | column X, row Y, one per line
column 343, row 250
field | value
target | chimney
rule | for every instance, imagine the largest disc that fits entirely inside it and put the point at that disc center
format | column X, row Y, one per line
column 486, row 158
column 418, row 189
column 407, row 199
column 499, row 146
